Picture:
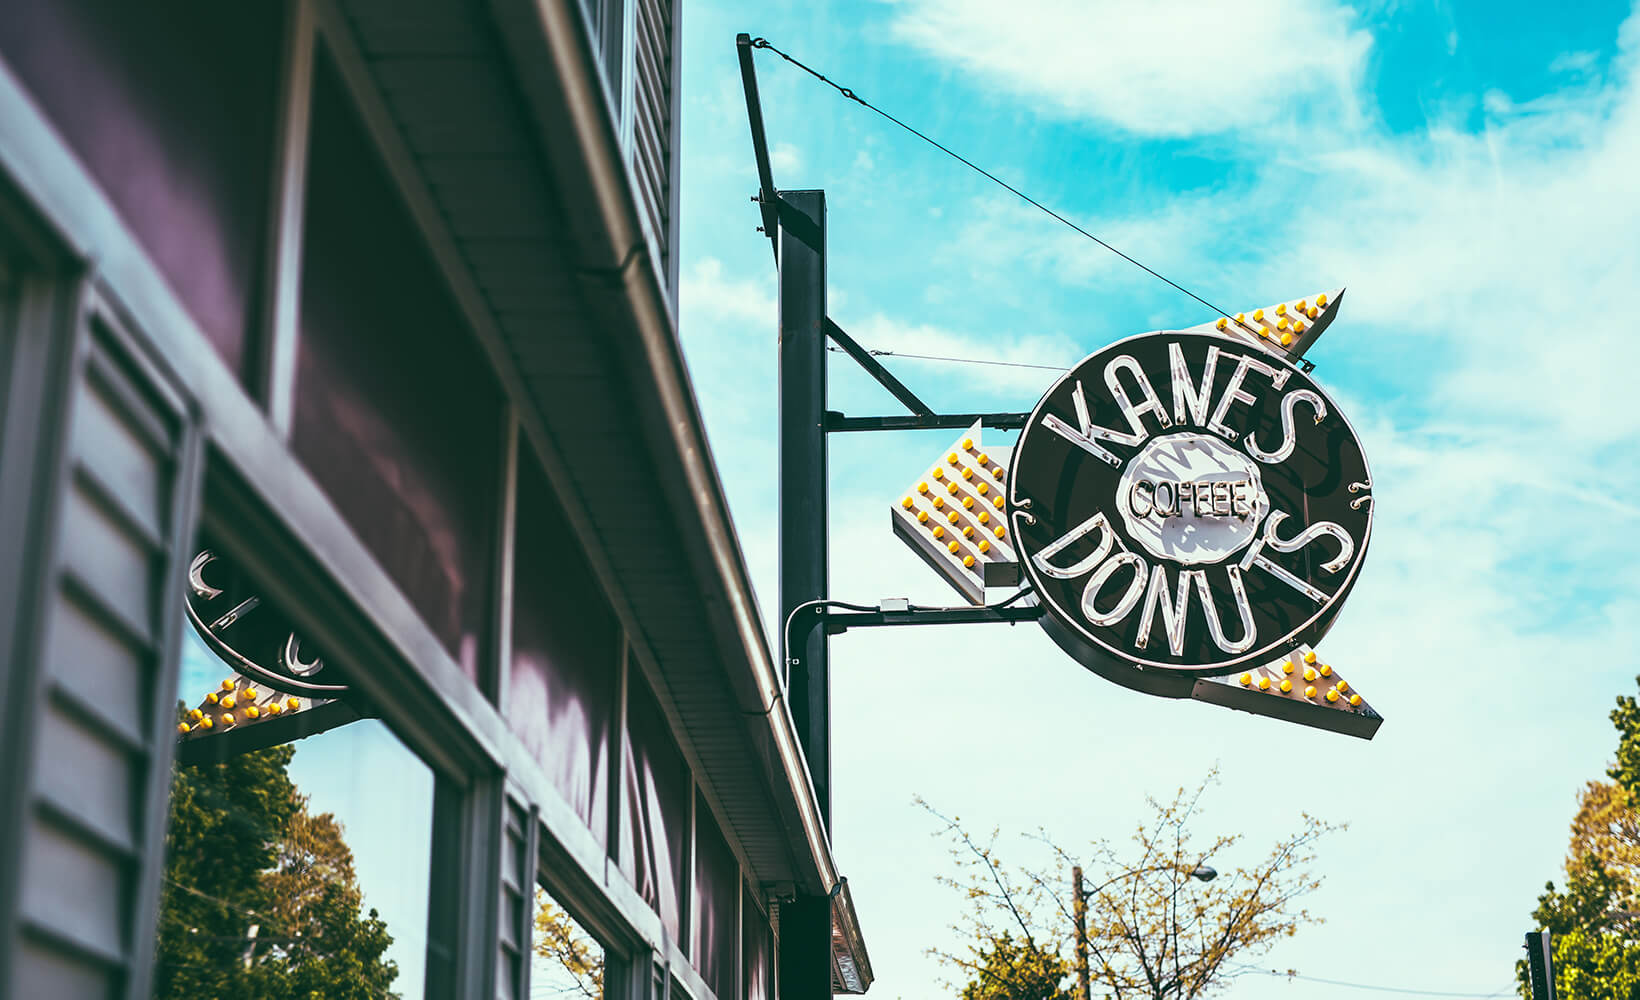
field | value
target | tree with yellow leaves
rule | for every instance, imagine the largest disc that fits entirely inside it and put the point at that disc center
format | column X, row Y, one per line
column 1154, row 928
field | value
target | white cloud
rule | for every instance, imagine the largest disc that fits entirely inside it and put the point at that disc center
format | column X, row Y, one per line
column 1175, row 68
column 784, row 159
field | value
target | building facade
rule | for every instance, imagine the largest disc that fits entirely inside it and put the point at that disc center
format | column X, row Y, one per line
column 357, row 518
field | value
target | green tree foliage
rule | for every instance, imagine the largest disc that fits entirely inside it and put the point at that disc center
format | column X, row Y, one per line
column 260, row 899
column 1017, row 970
column 1152, row 930
column 1593, row 919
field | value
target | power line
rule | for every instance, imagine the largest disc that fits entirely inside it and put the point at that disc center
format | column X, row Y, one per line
column 955, row 361
column 1375, row 988
column 764, row 43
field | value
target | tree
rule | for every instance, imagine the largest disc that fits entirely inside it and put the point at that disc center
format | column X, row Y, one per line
column 260, row 899
column 1153, row 931
column 1017, row 970
column 1593, row 919
column 573, row 960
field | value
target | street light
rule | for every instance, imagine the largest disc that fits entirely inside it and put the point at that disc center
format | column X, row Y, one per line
column 1079, row 905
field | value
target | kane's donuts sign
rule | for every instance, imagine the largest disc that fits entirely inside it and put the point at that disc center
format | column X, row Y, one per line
column 1188, row 503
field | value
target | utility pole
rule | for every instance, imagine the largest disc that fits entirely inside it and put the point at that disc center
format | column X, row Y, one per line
column 1079, row 907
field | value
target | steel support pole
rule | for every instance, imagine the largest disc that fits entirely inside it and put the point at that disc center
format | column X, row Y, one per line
column 803, row 575
column 805, row 922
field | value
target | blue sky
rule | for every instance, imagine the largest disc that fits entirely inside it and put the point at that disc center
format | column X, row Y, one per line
column 1466, row 169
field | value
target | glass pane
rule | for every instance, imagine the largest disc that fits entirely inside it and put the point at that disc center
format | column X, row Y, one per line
column 565, row 960
column 398, row 415
column 293, row 867
column 655, row 801
column 171, row 107
column 755, row 949
column 561, row 690
column 717, row 891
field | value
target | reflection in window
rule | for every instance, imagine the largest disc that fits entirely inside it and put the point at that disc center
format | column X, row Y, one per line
column 398, row 414
column 170, row 106
column 299, row 869
column 565, row 961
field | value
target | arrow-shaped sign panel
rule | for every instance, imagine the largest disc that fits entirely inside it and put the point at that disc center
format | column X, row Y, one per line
column 952, row 517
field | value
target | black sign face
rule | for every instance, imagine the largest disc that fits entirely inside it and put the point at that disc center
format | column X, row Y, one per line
column 1186, row 503
column 251, row 635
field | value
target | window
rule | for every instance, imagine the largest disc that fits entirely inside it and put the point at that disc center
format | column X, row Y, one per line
column 717, row 893
column 655, row 803
column 397, row 415
column 565, row 653
column 301, row 839
column 171, row 107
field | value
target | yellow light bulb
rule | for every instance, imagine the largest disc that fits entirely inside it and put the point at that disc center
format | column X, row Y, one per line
column 1332, row 694
column 1246, row 680
column 967, row 473
column 951, row 457
column 1326, row 670
column 1298, row 326
column 1222, row 323
column 1281, row 310
column 1303, row 304
column 211, row 698
column 228, row 702
column 952, row 548
column 952, row 517
column 1241, row 317
column 182, row 729
column 1281, row 324
column 939, row 502
column 1258, row 315
column 227, row 718
column 1355, row 700
column 939, row 473
column 922, row 517
column 922, row 487
column 967, row 444
column 1313, row 312
column 1309, row 692
column 939, row 531
column 1262, row 332
column 1309, row 656
column 228, row 685
column 998, row 472
column 274, row 708
column 252, row 712
column 997, row 500
column 984, row 546
column 196, row 714
column 1286, row 666
column 982, row 489
column 984, row 516
column 950, row 487
column 968, row 531
column 250, row 694
column 293, row 703
column 1001, row 531
column 984, row 459
column 907, row 502
column 1286, row 339
column 1264, row 683
column 1309, row 673
column 206, row 723
column 1286, row 686
column 1343, row 685
column 968, row 561
column 1321, row 300
column 967, row 503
